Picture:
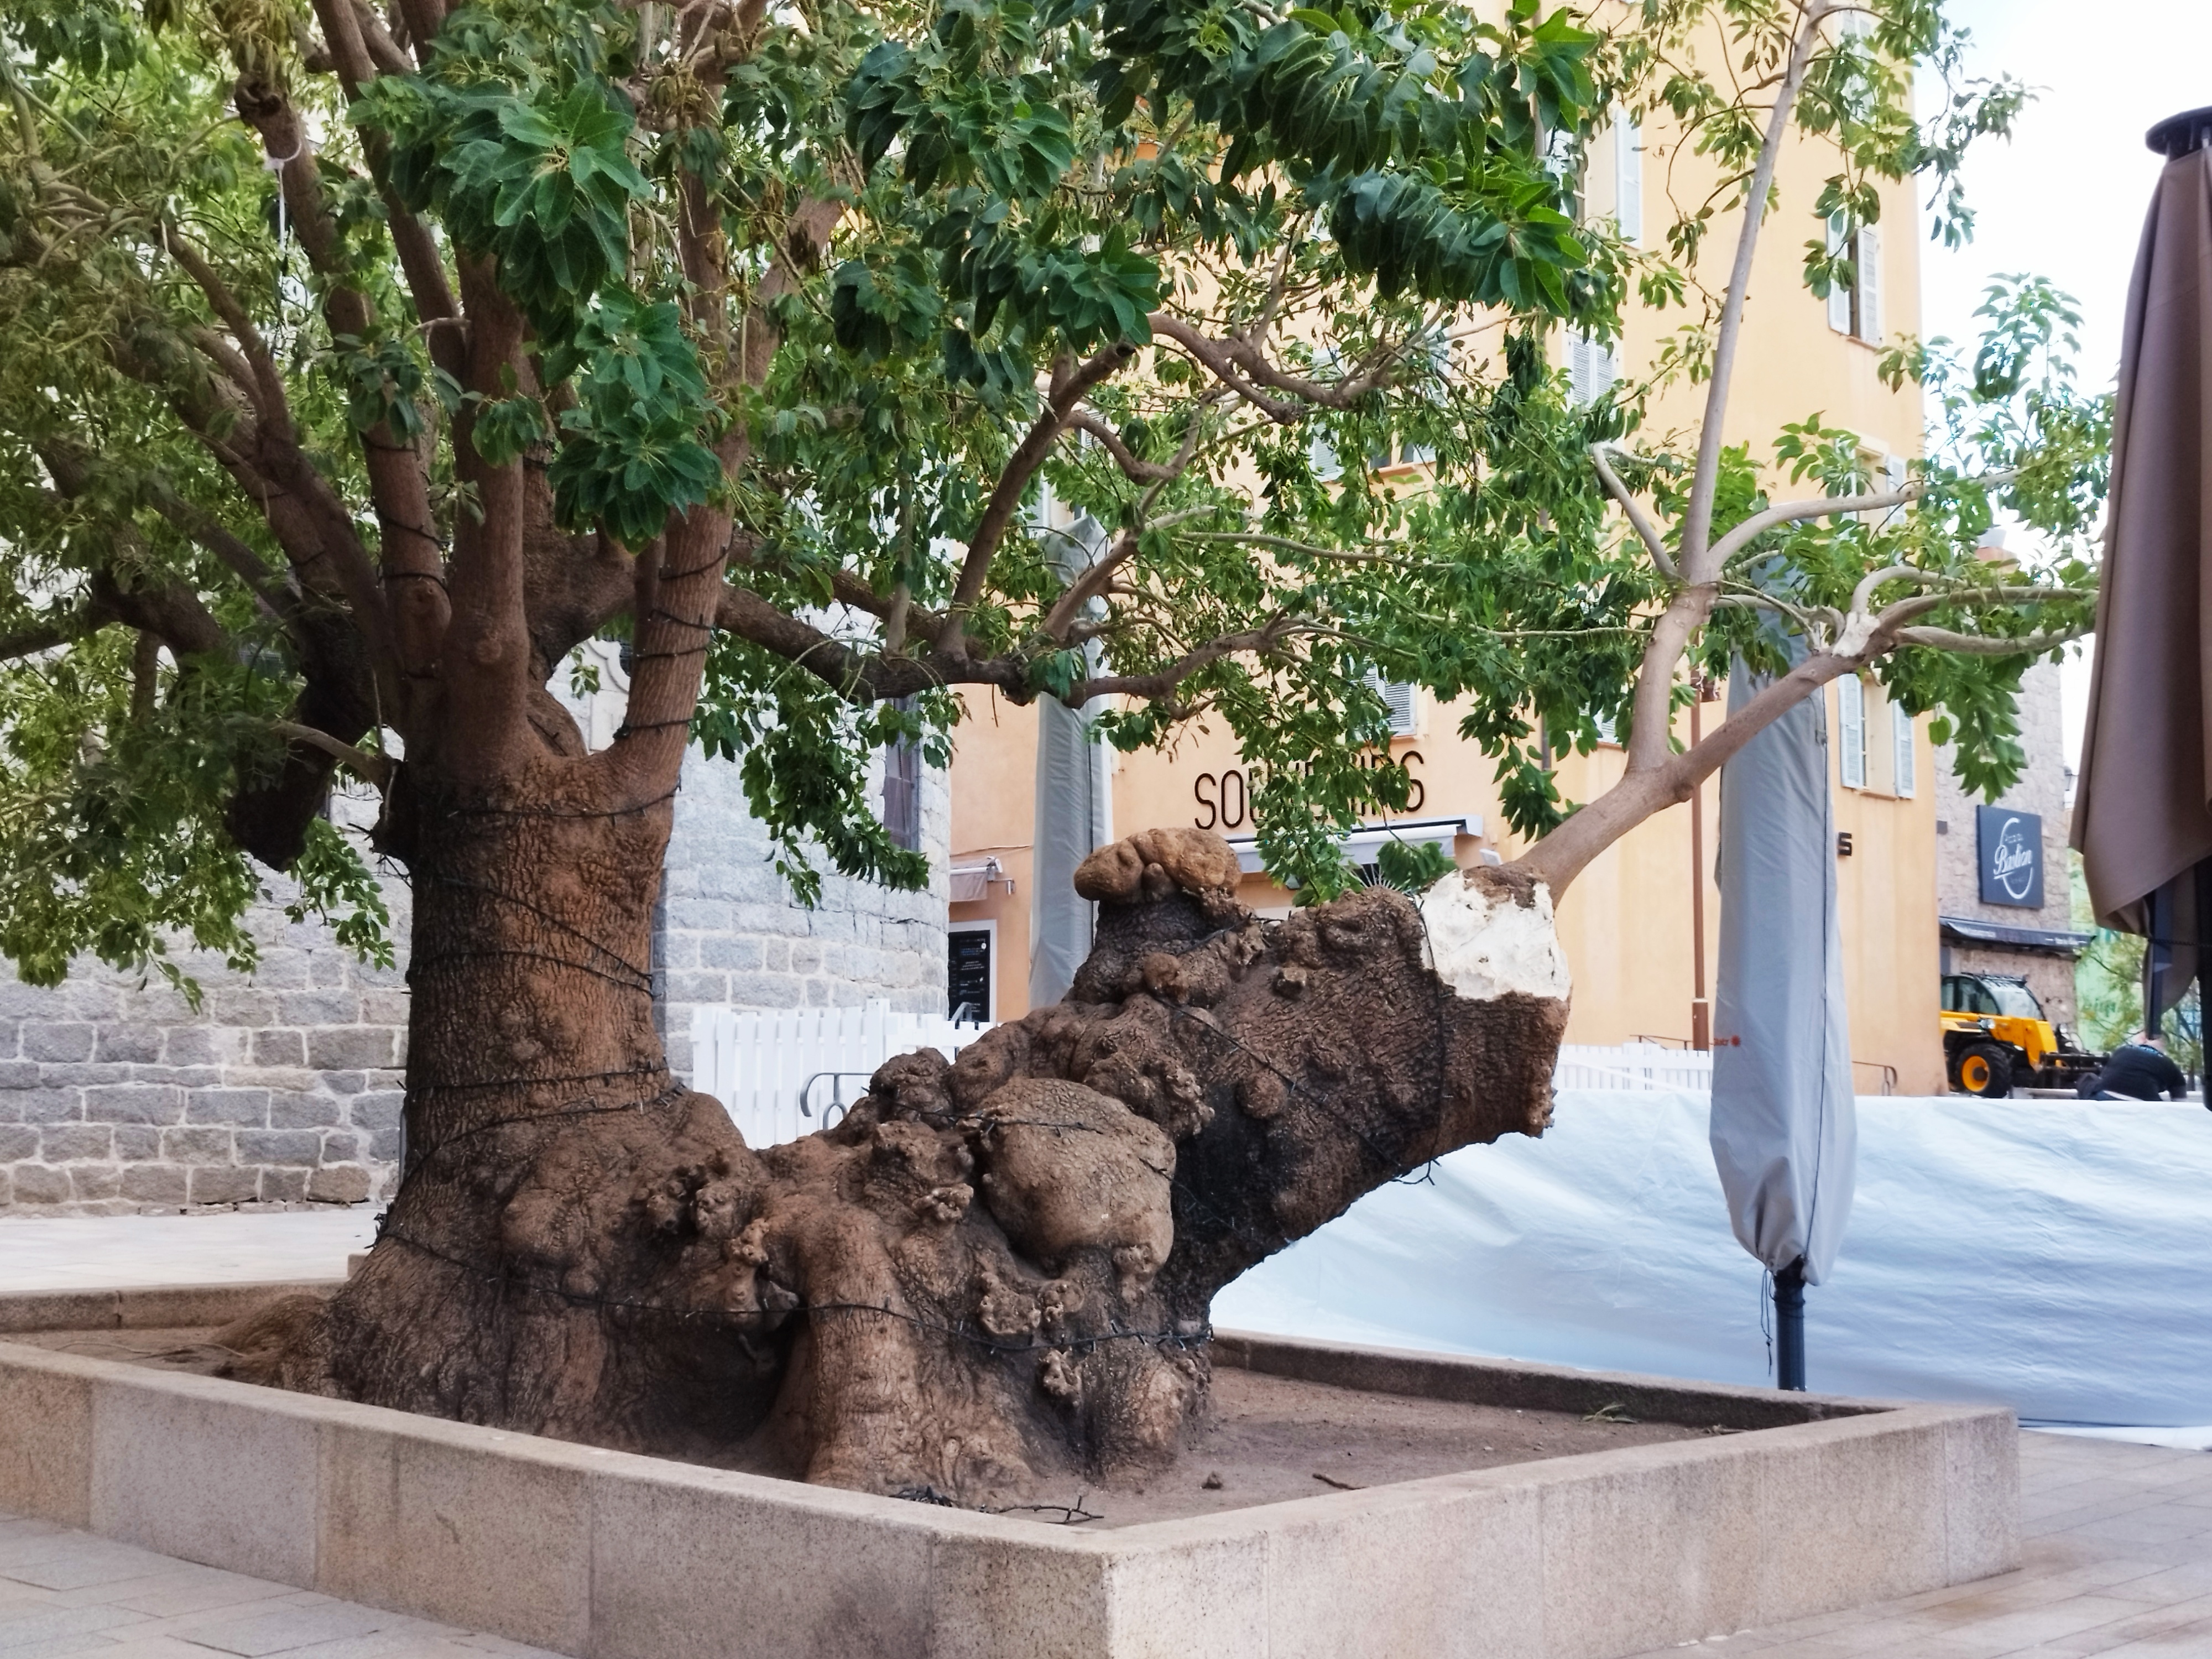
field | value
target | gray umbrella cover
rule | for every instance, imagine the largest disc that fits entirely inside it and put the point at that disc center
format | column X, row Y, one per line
column 1784, row 1132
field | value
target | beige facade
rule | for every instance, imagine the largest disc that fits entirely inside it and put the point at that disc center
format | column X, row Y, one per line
column 1629, row 922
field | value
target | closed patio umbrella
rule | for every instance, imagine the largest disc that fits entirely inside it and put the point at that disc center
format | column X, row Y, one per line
column 1784, row 1127
column 2143, row 814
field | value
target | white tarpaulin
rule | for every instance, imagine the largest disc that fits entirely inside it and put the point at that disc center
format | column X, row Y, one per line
column 2055, row 1256
column 1782, row 1129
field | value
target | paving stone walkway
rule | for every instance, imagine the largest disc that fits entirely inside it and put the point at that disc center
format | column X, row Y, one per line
column 69, row 1593
column 2116, row 1552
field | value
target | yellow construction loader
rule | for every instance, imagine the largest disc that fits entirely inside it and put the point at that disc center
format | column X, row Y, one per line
column 1995, row 1039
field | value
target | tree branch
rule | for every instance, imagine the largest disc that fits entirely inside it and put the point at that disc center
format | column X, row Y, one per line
column 361, row 49
column 1697, row 521
column 241, row 561
column 411, row 557
column 1646, row 532
column 1151, row 687
column 1068, row 389
column 376, row 769
column 1135, row 470
column 1989, row 645
column 264, row 384
column 1564, row 854
column 49, row 632
column 1241, row 365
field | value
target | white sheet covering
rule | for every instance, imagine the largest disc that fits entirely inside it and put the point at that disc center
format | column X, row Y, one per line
column 2052, row 1255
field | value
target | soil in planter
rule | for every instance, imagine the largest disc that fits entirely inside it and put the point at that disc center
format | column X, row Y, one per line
column 1266, row 1439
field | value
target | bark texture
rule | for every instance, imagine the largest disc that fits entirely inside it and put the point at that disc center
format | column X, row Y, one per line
column 989, row 1271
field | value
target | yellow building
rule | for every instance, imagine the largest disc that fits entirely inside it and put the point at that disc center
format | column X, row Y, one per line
column 1631, row 922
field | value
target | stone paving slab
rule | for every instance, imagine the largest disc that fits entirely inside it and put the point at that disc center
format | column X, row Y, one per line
column 77, row 1253
column 67, row 1594
column 2117, row 1559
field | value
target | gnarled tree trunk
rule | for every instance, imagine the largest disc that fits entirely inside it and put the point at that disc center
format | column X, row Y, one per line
column 988, row 1272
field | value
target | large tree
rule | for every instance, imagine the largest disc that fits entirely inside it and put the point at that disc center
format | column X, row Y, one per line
column 356, row 367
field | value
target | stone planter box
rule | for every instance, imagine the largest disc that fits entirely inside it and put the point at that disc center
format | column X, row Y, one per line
column 1821, row 1504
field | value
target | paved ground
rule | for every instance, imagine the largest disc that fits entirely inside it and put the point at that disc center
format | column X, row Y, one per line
column 2117, row 1559
column 69, row 1593
column 75, row 1253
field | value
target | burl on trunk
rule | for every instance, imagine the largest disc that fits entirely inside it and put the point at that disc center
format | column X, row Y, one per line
column 989, row 1271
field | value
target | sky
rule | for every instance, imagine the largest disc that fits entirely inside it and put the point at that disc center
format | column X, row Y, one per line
column 2065, row 199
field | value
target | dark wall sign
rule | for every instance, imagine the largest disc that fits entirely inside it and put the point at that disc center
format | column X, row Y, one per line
column 2011, row 848
column 968, row 980
column 1225, row 799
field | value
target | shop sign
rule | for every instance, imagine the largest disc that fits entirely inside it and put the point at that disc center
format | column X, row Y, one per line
column 2011, row 849
column 1225, row 799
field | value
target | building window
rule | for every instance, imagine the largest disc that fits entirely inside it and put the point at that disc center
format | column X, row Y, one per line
column 1404, row 700
column 1850, row 731
column 1905, row 760
column 1855, row 306
column 902, row 793
column 1628, row 176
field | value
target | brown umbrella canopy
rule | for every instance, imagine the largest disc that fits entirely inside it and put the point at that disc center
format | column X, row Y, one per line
column 2142, row 813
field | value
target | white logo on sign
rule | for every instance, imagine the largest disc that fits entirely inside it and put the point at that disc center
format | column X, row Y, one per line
column 2012, row 860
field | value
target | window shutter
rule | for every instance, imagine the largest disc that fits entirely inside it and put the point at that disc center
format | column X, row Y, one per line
column 1850, row 730
column 1403, row 699
column 1896, row 473
column 1868, row 255
column 1839, row 294
column 1628, row 176
column 1320, row 454
column 1905, row 766
column 1591, row 368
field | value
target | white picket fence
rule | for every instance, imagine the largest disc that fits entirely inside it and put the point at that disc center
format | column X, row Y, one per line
column 784, row 1072
column 1637, row 1065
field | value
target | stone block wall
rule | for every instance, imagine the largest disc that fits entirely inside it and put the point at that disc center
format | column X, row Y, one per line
column 729, row 934
column 117, row 1095
column 286, row 1087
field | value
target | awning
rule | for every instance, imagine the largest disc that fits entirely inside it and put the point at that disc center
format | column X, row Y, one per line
column 1362, row 845
column 1959, row 930
column 973, row 881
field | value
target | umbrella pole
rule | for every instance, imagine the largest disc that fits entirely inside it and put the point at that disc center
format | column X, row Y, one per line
column 1789, row 1326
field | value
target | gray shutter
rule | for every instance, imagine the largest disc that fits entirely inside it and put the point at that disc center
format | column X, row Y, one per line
column 1904, row 769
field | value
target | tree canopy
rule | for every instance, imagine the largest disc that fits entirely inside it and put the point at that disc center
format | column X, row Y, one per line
column 329, row 338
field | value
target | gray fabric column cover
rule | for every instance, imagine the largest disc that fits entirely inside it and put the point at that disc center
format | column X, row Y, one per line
column 1074, row 804
column 1783, row 1131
